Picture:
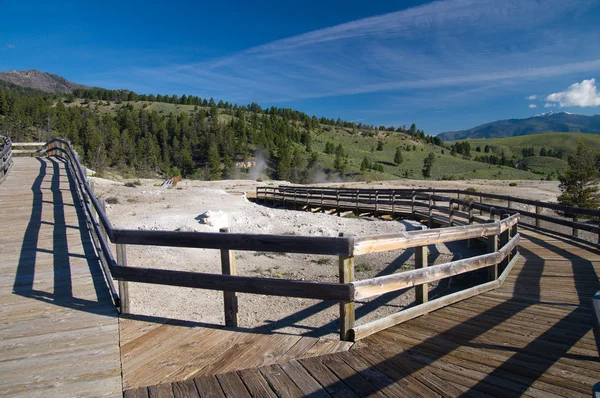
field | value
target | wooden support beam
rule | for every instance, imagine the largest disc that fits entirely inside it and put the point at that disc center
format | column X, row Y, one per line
column 229, row 298
column 504, row 238
column 123, row 285
column 538, row 210
column 421, row 291
column 492, row 248
column 430, row 212
column 346, row 271
column 575, row 230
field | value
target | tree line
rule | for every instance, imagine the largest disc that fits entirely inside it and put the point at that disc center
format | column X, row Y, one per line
column 195, row 143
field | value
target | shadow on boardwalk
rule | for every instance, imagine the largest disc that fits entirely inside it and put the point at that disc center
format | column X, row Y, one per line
column 521, row 369
column 52, row 200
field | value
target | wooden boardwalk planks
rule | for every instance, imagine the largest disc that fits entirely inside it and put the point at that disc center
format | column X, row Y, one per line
column 60, row 335
column 155, row 352
column 530, row 337
column 58, row 326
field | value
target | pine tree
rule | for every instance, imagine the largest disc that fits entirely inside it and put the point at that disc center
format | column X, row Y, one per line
column 365, row 165
column 3, row 104
column 578, row 183
column 398, row 157
column 214, row 162
column 428, row 165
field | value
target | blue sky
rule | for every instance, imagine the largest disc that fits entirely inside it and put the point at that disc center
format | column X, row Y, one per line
column 444, row 65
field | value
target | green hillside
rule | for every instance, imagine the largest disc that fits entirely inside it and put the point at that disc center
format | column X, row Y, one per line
column 562, row 145
column 514, row 145
column 120, row 132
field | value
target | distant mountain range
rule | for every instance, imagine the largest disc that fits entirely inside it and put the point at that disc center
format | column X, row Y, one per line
column 543, row 123
column 42, row 81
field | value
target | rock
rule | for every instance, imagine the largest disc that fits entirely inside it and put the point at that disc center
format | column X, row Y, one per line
column 217, row 219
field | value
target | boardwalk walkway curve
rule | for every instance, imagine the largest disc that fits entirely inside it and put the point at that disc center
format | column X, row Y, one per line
column 531, row 336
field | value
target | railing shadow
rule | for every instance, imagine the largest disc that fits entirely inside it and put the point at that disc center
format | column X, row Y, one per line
column 512, row 375
column 62, row 292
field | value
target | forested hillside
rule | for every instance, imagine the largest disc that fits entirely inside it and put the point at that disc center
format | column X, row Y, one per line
column 121, row 132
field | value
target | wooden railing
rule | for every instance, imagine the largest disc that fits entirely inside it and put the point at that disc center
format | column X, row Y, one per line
column 501, row 235
column 424, row 202
column 103, row 233
column 5, row 157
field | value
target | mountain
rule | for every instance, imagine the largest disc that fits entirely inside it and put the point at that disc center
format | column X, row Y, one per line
column 543, row 123
column 42, row 81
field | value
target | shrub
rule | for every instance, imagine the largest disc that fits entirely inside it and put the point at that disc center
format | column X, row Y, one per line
column 514, row 184
column 130, row 184
column 363, row 267
column 112, row 200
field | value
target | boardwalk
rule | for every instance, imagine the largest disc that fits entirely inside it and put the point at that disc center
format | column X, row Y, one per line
column 60, row 334
column 59, row 328
column 531, row 337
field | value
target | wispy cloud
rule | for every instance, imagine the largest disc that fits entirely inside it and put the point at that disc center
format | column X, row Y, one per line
column 454, row 45
column 532, row 106
column 582, row 94
column 549, row 105
column 10, row 46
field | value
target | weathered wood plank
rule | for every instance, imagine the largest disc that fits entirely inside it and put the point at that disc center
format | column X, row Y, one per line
column 243, row 284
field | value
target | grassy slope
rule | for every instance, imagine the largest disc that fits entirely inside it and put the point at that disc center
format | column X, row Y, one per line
column 513, row 145
column 359, row 144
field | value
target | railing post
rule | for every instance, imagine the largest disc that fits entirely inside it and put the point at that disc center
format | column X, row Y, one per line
column 414, row 197
column 346, row 268
column 429, row 220
column 337, row 202
column 538, row 210
column 229, row 298
column 492, row 248
column 123, row 285
column 102, row 230
column 575, row 230
column 513, row 233
column 451, row 212
column 393, row 203
column 470, row 220
column 481, row 203
column 376, row 203
column 504, row 239
column 421, row 291
column 322, row 208
column 295, row 199
column 357, row 205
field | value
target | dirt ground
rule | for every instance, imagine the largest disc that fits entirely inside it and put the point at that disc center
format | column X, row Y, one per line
column 150, row 207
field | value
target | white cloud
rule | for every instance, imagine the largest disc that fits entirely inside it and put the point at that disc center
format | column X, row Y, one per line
column 532, row 97
column 10, row 46
column 532, row 106
column 549, row 105
column 582, row 94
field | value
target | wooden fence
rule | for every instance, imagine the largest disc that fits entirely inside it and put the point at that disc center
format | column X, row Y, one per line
column 5, row 157
column 502, row 237
column 424, row 203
